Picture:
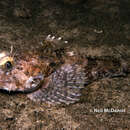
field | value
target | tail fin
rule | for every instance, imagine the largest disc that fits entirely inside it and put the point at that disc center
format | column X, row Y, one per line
column 105, row 68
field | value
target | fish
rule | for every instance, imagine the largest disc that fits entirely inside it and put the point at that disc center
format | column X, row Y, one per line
column 53, row 74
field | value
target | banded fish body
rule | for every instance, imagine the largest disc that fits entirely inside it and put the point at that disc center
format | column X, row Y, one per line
column 55, row 76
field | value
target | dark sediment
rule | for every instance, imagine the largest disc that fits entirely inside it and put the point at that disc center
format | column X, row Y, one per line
column 98, row 29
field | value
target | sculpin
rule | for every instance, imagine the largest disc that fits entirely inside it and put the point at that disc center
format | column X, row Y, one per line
column 56, row 75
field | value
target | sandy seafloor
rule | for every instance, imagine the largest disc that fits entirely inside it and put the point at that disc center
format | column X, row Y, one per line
column 99, row 28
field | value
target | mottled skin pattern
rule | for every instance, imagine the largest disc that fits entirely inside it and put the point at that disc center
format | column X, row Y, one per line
column 56, row 75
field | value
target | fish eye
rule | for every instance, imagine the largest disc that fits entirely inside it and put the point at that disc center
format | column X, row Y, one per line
column 8, row 65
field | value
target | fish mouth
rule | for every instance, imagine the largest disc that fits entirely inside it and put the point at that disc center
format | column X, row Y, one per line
column 30, row 85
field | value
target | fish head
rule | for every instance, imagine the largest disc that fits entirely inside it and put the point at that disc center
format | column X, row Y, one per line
column 20, row 73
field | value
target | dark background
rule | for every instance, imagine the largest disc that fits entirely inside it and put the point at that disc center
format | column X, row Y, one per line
column 97, row 28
